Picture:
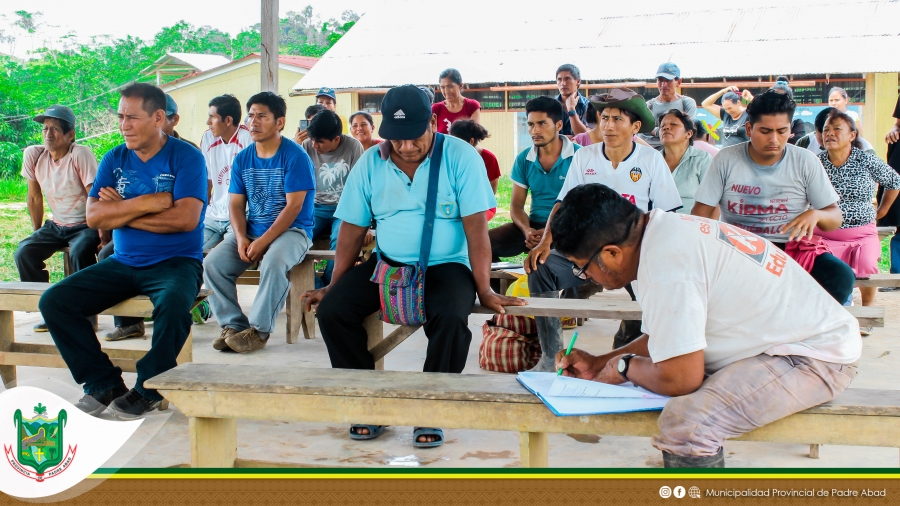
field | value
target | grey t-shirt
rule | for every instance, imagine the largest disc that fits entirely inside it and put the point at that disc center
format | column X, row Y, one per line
column 733, row 130
column 333, row 168
column 683, row 103
column 761, row 199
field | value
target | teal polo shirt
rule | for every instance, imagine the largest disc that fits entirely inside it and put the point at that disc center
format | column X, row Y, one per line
column 377, row 189
column 545, row 186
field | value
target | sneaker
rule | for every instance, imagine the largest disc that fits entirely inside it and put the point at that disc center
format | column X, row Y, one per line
column 96, row 403
column 136, row 330
column 219, row 342
column 246, row 341
column 889, row 288
column 201, row 313
column 568, row 322
column 41, row 327
column 866, row 331
column 131, row 406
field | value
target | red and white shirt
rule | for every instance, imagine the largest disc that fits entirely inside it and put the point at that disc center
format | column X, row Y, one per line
column 643, row 178
column 219, row 156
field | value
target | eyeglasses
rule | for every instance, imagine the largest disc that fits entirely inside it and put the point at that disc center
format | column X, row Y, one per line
column 580, row 272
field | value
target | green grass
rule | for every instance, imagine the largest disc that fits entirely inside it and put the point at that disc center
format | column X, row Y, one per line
column 884, row 263
column 15, row 225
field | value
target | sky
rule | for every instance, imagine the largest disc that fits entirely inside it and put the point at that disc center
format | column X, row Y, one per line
column 107, row 17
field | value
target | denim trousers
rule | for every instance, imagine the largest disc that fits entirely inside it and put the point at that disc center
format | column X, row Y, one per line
column 326, row 226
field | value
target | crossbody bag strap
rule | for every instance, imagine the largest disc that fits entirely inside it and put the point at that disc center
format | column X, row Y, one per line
column 434, row 176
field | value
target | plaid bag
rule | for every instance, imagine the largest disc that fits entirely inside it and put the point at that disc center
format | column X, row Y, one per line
column 510, row 344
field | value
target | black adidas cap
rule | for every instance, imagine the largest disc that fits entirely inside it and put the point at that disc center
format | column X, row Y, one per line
column 405, row 113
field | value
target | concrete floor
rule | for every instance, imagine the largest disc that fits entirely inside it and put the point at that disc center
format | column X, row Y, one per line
column 162, row 441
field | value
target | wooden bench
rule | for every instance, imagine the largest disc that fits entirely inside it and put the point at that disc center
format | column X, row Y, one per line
column 886, row 231
column 216, row 396
column 25, row 297
column 879, row 280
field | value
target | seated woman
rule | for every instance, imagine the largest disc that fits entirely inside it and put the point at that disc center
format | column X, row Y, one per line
column 854, row 175
column 361, row 128
column 454, row 106
column 687, row 163
column 473, row 133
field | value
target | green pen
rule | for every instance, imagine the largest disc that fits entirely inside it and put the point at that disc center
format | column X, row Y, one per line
column 568, row 350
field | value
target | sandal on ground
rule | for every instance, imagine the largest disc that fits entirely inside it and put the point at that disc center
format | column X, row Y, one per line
column 425, row 431
column 374, row 431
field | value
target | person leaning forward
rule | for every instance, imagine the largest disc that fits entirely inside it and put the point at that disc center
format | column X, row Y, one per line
column 738, row 340
column 151, row 192
column 389, row 186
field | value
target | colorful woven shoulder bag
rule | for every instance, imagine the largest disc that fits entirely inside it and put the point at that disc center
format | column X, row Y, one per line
column 402, row 289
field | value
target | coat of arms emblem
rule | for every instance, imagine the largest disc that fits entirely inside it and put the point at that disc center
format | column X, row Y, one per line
column 39, row 445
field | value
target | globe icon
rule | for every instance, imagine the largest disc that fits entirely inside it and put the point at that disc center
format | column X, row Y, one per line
column 694, row 492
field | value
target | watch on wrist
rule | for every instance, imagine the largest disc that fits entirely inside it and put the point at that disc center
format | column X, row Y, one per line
column 573, row 112
column 623, row 364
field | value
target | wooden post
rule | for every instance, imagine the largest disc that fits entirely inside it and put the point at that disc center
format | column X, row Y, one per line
column 268, row 50
column 533, row 449
column 7, row 338
column 213, row 442
column 375, row 330
column 814, row 451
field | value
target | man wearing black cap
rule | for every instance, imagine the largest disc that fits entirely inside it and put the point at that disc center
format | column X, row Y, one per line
column 64, row 172
column 668, row 80
column 389, row 186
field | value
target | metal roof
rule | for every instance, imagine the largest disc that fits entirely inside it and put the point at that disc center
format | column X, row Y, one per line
column 489, row 42
column 185, row 63
column 298, row 64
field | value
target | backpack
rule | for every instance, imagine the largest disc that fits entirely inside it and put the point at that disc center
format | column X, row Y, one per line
column 510, row 344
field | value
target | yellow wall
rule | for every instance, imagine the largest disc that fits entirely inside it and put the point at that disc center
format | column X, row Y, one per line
column 243, row 83
column 881, row 97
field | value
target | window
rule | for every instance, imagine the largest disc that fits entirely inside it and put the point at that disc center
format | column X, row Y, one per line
column 370, row 102
column 489, row 100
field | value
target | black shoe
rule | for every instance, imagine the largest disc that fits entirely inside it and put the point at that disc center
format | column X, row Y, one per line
column 888, row 288
column 96, row 403
column 131, row 406
column 629, row 330
column 674, row 461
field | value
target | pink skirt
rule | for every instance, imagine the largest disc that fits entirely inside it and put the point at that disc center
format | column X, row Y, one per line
column 858, row 247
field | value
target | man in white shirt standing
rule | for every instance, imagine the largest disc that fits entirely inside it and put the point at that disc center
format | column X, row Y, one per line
column 638, row 173
column 225, row 138
column 733, row 329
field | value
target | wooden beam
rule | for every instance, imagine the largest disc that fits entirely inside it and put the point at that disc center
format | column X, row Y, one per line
column 268, row 49
column 643, row 84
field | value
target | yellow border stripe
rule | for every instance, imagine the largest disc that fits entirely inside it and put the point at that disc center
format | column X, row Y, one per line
column 488, row 476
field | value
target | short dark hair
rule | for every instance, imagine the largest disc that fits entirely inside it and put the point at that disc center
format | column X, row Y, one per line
column 152, row 98
column 685, row 120
column 731, row 97
column 591, row 216
column 325, row 126
column 840, row 90
column 821, row 118
column 275, row 103
column 699, row 129
column 227, row 106
column 770, row 102
column 851, row 124
column 548, row 105
column 428, row 91
column 313, row 110
column 568, row 67
column 453, row 75
column 783, row 78
column 365, row 115
column 468, row 130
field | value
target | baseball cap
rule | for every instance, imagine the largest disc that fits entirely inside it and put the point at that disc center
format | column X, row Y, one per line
column 171, row 106
column 58, row 112
column 668, row 71
column 326, row 92
column 405, row 113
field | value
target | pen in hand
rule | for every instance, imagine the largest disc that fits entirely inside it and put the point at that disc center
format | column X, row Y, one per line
column 568, row 350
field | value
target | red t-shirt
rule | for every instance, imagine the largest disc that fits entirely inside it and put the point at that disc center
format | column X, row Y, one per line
column 493, row 172
column 445, row 117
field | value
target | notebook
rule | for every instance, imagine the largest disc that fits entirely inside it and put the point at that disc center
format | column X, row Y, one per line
column 567, row 396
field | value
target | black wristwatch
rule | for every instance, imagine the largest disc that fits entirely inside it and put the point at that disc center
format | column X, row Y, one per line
column 623, row 364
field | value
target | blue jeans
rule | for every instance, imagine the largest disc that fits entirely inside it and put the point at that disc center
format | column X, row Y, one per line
column 171, row 285
column 895, row 254
column 326, row 224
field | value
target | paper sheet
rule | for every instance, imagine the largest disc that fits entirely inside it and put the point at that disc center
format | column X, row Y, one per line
column 540, row 383
column 564, row 386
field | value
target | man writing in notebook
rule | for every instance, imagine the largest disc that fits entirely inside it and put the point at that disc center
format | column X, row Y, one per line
column 733, row 329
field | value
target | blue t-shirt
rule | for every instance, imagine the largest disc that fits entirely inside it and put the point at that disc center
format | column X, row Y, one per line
column 265, row 181
column 377, row 189
column 179, row 169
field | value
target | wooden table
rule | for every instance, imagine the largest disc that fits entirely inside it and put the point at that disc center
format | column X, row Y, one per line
column 216, row 396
